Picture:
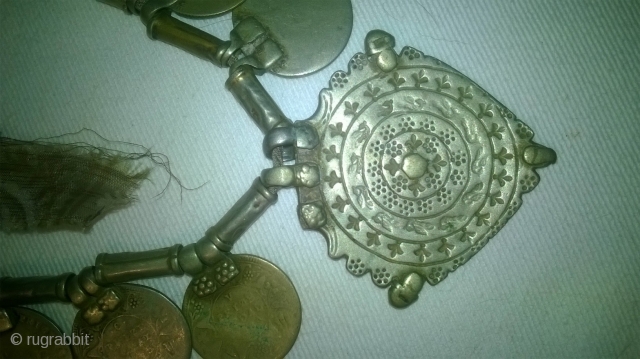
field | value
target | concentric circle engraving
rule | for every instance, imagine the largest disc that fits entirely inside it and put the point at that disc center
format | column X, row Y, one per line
column 405, row 166
column 419, row 165
column 409, row 163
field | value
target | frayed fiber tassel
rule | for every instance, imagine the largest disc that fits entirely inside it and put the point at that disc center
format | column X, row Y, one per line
column 49, row 186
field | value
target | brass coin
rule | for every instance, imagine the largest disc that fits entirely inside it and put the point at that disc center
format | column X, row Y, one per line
column 137, row 322
column 257, row 314
column 204, row 7
column 36, row 335
column 311, row 33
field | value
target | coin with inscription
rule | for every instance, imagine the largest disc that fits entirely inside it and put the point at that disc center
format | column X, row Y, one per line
column 33, row 336
column 256, row 314
column 133, row 321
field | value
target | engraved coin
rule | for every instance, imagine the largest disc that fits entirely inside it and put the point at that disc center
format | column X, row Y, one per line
column 204, row 7
column 421, row 167
column 136, row 322
column 311, row 33
column 33, row 336
column 256, row 314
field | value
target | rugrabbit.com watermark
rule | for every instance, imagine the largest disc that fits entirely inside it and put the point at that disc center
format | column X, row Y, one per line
column 45, row 341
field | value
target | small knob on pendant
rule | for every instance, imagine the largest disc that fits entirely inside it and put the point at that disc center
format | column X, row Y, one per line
column 539, row 156
column 402, row 295
column 379, row 45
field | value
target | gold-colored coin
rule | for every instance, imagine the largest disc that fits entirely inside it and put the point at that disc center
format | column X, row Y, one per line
column 33, row 336
column 135, row 322
column 256, row 314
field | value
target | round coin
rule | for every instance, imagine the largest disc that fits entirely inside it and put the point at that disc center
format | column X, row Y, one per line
column 257, row 314
column 137, row 322
column 311, row 33
column 33, row 336
column 204, row 7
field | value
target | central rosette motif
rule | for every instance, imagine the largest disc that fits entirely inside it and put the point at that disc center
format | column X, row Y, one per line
column 417, row 164
column 413, row 165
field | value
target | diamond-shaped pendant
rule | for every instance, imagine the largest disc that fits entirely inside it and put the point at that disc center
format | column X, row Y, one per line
column 420, row 167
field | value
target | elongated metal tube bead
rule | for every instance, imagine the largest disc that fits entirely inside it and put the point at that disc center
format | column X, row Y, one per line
column 128, row 266
column 29, row 290
column 161, row 26
column 240, row 217
column 245, row 86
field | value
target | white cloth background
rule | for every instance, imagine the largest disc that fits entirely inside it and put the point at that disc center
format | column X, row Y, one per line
column 561, row 280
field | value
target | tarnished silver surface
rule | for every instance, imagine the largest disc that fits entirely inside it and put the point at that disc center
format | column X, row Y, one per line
column 310, row 33
column 250, row 93
column 420, row 167
column 204, row 7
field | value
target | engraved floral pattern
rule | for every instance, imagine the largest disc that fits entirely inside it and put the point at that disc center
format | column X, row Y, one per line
column 422, row 171
column 372, row 91
column 443, row 83
column 396, row 80
column 420, row 78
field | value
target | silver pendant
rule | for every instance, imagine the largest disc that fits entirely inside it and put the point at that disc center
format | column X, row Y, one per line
column 420, row 168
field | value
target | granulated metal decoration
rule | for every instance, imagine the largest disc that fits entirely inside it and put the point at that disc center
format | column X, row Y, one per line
column 420, row 167
column 256, row 314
